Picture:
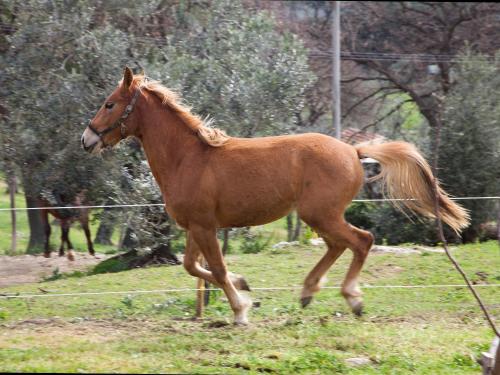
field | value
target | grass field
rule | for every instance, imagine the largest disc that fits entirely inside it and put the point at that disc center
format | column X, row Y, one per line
column 404, row 331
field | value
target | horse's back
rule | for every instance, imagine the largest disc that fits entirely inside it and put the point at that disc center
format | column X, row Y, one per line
column 298, row 154
column 257, row 180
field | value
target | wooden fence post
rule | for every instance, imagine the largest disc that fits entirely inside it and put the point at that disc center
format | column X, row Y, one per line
column 490, row 361
column 200, row 293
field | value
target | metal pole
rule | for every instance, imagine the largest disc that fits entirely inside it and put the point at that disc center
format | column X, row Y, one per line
column 336, row 69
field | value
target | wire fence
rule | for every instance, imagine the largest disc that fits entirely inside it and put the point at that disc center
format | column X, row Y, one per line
column 268, row 289
column 162, row 204
column 49, row 294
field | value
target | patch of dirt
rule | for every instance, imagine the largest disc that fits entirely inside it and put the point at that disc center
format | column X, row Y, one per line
column 22, row 269
column 384, row 270
column 55, row 332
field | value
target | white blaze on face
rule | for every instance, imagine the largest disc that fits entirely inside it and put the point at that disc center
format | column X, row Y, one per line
column 89, row 138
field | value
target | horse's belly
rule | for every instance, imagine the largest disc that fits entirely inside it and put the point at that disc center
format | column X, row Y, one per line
column 252, row 217
column 255, row 210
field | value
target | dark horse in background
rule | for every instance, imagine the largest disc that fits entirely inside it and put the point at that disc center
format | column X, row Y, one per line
column 66, row 217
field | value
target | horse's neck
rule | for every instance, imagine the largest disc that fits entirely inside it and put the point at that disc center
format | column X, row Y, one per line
column 166, row 141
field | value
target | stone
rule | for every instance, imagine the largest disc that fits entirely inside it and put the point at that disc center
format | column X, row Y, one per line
column 358, row 361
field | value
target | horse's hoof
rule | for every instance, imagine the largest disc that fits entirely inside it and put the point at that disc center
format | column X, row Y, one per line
column 241, row 323
column 243, row 285
column 46, row 255
column 239, row 282
column 358, row 310
column 305, row 301
column 356, row 304
column 71, row 255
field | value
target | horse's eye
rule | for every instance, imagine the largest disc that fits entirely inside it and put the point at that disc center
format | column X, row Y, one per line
column 109, row 105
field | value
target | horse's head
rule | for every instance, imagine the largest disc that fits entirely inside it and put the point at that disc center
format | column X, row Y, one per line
column 115, row 119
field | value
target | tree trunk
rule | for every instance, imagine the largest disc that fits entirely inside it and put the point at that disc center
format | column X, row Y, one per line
column 106, row 227
column 225, row 241
column 298, row 227
column 289, row 227
column 37, row 234
column 8, row 189
column 36, row 242
column 498, row 225
column 12, row 183
column 128, row 242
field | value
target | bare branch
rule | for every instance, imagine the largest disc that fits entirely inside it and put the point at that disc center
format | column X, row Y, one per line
column 362, row 100
column 364, row 79
column 377, row 121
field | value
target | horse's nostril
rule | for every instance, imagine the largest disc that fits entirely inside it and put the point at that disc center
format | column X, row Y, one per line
column 87, row 148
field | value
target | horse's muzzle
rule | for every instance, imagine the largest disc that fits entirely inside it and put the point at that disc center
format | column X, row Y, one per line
column 87, row 148
column 89, row 140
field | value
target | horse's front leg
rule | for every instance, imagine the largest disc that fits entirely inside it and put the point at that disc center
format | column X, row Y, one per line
column 86, row 229
column 64, row 236
column 206, row 241
column 192, row 265
column 47, row 230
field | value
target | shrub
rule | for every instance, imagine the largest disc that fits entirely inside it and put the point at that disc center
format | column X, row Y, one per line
column 254, row 243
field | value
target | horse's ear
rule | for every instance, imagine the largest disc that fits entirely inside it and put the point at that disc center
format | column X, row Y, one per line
column 128, row 76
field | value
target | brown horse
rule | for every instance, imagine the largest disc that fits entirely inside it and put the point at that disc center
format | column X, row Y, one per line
column 210, row 180
column 66, row 217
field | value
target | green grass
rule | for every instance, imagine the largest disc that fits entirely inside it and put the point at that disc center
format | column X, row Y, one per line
column 404, row 331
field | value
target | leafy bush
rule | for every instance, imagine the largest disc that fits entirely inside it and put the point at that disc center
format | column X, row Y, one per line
column 392, row 227
column 359, row 214
column 306, row 235
column 254, row 243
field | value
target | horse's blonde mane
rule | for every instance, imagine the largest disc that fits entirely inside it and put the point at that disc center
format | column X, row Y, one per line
column 202, row 127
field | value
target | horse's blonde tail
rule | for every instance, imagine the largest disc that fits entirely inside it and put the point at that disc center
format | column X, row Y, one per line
column 407, row 176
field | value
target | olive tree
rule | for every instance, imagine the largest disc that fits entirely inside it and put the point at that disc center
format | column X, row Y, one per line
column 469, row 156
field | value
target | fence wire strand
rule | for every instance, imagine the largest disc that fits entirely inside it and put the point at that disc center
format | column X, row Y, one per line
column 270, row 289
column 163, row 204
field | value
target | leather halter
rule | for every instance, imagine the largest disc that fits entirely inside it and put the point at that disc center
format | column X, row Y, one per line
column 118, row 123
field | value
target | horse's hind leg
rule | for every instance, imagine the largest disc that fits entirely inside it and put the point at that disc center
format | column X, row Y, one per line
column 338, row 235
column 361, row 242
column 313, row 281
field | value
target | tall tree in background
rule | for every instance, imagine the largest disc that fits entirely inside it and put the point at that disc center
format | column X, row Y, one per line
column 399, row 64
column 232, row 64
column 470, row 148
column 55, row 71
column 62, row 58
column 409, row 47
